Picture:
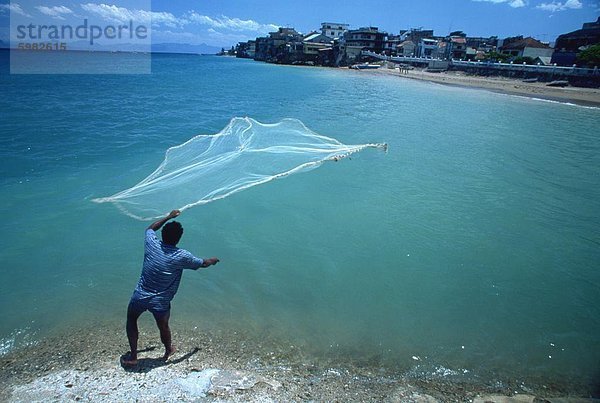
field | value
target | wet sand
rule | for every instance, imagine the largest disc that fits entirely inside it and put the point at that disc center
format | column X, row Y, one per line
column 214, row 366
column 576, row 95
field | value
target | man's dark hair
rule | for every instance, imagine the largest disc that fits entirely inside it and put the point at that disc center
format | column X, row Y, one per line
column 171, row 233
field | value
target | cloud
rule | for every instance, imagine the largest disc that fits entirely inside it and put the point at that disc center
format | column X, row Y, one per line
column 114, row 13
column 13, row 8
column 517, row 3
column 556, row 6
column 512, row 3
column 117, row 14
column 232, row 24
column 55, row 12
column 189, row 26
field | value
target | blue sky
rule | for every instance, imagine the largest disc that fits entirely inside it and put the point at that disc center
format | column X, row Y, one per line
column 225, row 22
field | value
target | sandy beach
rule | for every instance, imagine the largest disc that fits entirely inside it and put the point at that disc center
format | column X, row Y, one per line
column 576, row 95
column 211, row 366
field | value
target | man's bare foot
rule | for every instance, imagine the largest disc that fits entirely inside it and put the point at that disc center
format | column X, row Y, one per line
column 169, row 353
column 128, row 361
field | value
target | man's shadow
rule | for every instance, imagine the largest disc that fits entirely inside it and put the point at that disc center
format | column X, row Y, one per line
column 145, row 365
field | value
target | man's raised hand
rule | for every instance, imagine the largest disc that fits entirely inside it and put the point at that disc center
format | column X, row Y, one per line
column 174, row 214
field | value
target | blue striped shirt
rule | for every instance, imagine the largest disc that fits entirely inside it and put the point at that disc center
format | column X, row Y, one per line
column 161, row 272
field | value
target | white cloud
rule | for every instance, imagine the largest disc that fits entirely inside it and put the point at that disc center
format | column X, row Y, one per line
column 512, row 3
column 573, row 4
column 55, row 12
column 13, row 8
column 114, row 13
column 517, row 3
column 232, row 24
column 190, row 27
column 165, row 18
column 117, row 14
column 559, row 6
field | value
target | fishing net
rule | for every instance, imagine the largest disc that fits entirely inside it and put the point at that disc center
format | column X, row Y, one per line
column 245, row 153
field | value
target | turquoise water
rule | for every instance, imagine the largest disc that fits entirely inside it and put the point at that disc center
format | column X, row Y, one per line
column 473, row 244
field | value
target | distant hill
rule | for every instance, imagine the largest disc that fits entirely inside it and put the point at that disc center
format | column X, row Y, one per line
column 156, row 47
column 184, row 48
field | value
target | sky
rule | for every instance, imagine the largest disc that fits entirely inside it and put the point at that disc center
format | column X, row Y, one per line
column 223, row 23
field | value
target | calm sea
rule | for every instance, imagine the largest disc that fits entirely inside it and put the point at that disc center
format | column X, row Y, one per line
column 472, row 246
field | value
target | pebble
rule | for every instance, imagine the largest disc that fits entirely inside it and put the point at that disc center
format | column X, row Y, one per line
column 293, row 377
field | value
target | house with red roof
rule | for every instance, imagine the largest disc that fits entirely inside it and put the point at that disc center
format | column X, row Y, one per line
column 456, row 47
column 525, row 47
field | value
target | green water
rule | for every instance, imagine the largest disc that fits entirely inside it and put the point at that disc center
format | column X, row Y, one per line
column 473, row 244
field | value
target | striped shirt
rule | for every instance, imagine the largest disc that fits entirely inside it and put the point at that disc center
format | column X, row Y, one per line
column 161, row 272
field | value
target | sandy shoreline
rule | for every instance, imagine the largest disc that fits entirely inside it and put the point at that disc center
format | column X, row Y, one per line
column 211, row 366
column 575, row 95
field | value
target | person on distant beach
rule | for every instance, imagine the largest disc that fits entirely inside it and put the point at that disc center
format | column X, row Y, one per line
column 161, row 273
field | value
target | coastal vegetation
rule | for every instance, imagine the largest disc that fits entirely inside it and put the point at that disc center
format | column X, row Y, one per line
column 590, row 56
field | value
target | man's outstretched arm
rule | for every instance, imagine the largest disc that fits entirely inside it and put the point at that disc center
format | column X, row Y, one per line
column 210, row 262
column 155, row 226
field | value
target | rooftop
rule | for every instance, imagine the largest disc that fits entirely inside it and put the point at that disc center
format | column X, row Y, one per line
column 525, row 43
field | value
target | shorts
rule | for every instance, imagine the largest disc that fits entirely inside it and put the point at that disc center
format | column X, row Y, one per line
column 157, row 308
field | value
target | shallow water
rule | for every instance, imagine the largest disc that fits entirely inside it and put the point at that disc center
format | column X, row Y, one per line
column 473, row 243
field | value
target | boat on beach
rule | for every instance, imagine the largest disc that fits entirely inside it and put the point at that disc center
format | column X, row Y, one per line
column 364, row 66
column 558, row 83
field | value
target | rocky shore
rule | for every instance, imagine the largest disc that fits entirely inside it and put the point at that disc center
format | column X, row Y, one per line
column 84, row 365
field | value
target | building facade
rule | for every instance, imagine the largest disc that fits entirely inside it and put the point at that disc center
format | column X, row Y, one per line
column 367, row 38
column 333, row 29
column 456, row 48
column 428, row 48
column 525, row 47
column 570, row 44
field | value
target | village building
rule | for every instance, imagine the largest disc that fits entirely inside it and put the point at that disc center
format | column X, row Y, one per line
column 416, row 34
column 482, row 43
column 391, row 44
column 274, row 47
column 427, row 48
column 366, row 38
column 568, row 45
column 406, row 48
column 525, row 47
column 313, row 43
column 333, row 29
column 456, row 47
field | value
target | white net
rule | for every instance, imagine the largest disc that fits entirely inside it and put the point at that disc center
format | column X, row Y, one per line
column 245, row 153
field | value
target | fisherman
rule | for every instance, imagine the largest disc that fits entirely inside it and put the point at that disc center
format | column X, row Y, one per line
column 161, row 273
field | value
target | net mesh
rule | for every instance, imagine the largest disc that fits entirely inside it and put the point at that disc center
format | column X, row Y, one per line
column 245, row 153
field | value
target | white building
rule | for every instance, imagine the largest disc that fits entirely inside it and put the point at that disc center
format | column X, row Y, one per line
column 333, row 29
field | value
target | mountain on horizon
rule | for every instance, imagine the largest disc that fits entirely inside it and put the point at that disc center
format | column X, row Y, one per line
column 202, row 48
column 156, row 47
